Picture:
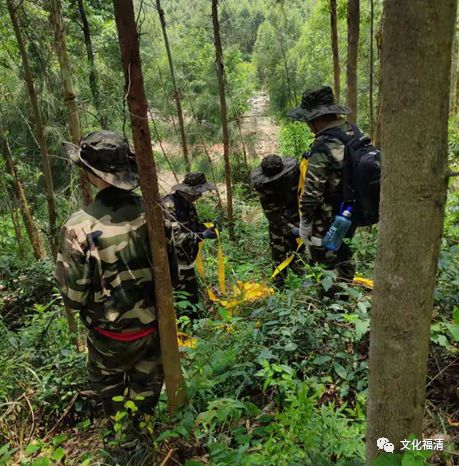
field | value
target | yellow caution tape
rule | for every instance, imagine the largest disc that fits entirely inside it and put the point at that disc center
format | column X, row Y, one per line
column 199, row 264
column 185, row 341
column 220, row 260
column 365, row 282
column 302, row 179
column 243, row 292
column 287, row 261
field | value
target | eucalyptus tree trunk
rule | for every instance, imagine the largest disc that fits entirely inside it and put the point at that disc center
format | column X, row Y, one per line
column 69, row 92
column 370, row 103
column 417, row 39
column 39, row 129
column 223, row 115
column 93, row 80
column 454, row 78
column 335, row 48
column 177, row 94
column 34, row 237
column 353, row 27
column 137, row 103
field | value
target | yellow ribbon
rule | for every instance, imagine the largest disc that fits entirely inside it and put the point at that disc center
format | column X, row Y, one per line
column 289, row 259
column 220, row 260
column 302, row 179
column 365, row 282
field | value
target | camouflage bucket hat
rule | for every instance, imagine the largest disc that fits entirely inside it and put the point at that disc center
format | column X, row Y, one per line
column 194, row 183
column 317, row 102
column 272, row 168
column 108, row 156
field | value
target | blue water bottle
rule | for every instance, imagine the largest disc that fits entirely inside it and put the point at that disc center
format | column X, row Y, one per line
column 336, row 233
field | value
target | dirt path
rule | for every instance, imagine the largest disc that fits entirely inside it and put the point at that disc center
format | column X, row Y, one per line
column 260, row 128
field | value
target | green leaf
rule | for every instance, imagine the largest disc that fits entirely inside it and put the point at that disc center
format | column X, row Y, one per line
column 340, row 370
column 361, row 328
column 321, row 359
column 456, row 315
column 131, row 405
column 327, row 282
column 58, row 439
column 58, row 454
column 454, row 331
column 33, row 448
column 118, row 398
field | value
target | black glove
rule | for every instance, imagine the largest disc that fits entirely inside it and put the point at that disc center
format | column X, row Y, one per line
column 295, row 232
column 210, row 233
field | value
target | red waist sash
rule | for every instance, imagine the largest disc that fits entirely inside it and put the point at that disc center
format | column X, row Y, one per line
column 128, row 335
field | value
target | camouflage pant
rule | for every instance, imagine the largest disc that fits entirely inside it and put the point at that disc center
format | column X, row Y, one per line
column 188, row 282
column 340, row 260
column 282, row 245
column 115, row 366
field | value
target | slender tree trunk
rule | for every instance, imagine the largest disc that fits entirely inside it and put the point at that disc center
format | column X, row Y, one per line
column 377, row 131
column 177, row 94
column 223, row 115
column 69, row 92
column 454, row 78
column 417, row 39
column 353, row 20
column 372, row 19
column 335, row 48
column 137, row 102
column 17, row 229
column 93, row 80
column 34, row 237
column 39, row 129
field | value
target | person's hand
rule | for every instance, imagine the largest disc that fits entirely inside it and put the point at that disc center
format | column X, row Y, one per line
column 305, row 231
column 210, row 233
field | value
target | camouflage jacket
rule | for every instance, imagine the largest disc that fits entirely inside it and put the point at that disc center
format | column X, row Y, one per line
column 185, row 227
column 279, row 199
column 323, row 191
column 103, row 266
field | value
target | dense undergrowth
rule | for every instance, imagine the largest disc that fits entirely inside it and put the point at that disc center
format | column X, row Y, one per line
column 280, row 381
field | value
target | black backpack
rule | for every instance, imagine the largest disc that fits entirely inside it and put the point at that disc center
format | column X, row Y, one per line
column 361, row 175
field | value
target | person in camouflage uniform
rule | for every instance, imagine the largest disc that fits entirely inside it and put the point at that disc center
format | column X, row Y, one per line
column 323, row 191
column 188, row 231
column 276, row 181
column 103, row 269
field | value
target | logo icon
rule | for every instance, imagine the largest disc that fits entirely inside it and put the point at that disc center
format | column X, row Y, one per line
column 384, row 444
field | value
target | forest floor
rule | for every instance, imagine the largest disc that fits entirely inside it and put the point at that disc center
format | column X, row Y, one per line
column 276, row 381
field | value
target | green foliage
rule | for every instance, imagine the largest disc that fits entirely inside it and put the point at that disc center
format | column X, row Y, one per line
column 295, row 138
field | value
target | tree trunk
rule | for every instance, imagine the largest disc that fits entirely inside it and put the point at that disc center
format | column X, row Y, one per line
column 377, row 126
column 417, row 39
column 177, row 94
column 223, row 115
column 370, row 103
column 93, row 81
column 137, row 103
column 335, row 48
column 34, row 237
column 17, row 228
column 39, row 130
column 69, row 92
column 353, row 20
column 454, row 78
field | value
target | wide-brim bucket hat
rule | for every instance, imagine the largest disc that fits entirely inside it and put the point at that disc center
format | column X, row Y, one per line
column 317, row 102
column 272, row 168
column 194, row 183
column 108, row 156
